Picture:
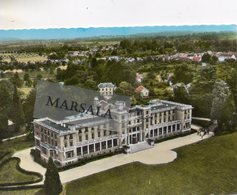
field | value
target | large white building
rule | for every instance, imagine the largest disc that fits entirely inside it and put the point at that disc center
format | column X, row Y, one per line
column 85, row 136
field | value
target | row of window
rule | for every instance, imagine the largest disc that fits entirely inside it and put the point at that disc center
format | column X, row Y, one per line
column 164, row 130
column 107, row 89
column 48, row 132
column 49, row 140
column 84, row 150
column 96, row 147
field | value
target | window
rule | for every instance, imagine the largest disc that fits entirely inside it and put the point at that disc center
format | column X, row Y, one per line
column 84, row 148
column 86, row 136
column 178, row 127
column 69, row 154
column 92, row 135
column 155, row 132
column 86, row 129
column 71, row 137
column 78, row 151
column 173, row 128
column 97, row 146
column 160, row 131
column 99, row 134
column 103, row 145
column 115, row 142
column 165, row 130
column 71, row 143
column 80, row 138
column 109, row 143
column 91, row 148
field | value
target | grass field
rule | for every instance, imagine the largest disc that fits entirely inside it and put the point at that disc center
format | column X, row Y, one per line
column 22, row 192
column 9, row 173
column 25, row 57
column 16, row 144
column 203, row 168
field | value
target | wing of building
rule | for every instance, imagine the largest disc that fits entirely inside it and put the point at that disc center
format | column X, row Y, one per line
column 84, row 136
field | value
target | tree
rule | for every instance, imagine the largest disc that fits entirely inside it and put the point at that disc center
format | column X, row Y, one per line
column 39, row 76
column 125, row 88
column 221, row 94
column 3, row 125
column 52, row 183
column 206, row 58
column 17, row 110
column 26, row 77
column 91, row 84
column 16, row 80
column 28, row 106
column 180, row 93
column 93, row 62
column 6, row 92
column 208, row 73
column 183, row 74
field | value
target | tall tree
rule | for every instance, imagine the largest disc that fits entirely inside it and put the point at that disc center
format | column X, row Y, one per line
column 16, row 80
column 221, row 94
column 180, row 93
column 52, row 183
column 28, row 106
column 17, row 110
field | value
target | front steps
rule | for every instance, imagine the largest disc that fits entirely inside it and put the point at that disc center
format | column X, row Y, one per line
column 138, row 147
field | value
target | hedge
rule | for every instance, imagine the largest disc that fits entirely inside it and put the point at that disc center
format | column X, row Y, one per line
column 23, row 187
column 158, row 140
column 81, row 162
column 22, row 171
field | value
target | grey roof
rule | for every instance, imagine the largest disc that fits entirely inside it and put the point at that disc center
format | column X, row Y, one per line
column 86, row 121
column 55, row 125
column 103, row 85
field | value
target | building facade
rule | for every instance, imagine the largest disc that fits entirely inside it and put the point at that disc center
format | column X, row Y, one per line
column 106, row 89
column 85, row 135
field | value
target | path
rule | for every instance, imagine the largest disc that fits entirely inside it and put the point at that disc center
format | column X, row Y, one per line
column 161, row 153
column 15, row 137
column 201, row 118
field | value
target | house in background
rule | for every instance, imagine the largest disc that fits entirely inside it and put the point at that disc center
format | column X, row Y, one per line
column 139, row 77
column 106, row 89
column 144, row 92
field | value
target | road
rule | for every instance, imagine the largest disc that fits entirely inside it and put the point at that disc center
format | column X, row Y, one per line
column 161, row 153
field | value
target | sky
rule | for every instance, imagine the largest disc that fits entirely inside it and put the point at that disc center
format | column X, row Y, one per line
column 28, row 14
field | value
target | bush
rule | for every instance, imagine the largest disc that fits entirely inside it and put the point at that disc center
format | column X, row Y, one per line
column 37, row 158
column 90, row 159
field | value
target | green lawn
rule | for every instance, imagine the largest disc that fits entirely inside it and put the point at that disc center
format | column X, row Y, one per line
column 9, row 174
column 22, row 192
column 202, row 168
column 16, row 144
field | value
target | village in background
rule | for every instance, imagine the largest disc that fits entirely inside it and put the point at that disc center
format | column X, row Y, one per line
column 173, row 81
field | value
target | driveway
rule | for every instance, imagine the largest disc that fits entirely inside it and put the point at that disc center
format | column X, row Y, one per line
column 161, row 153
